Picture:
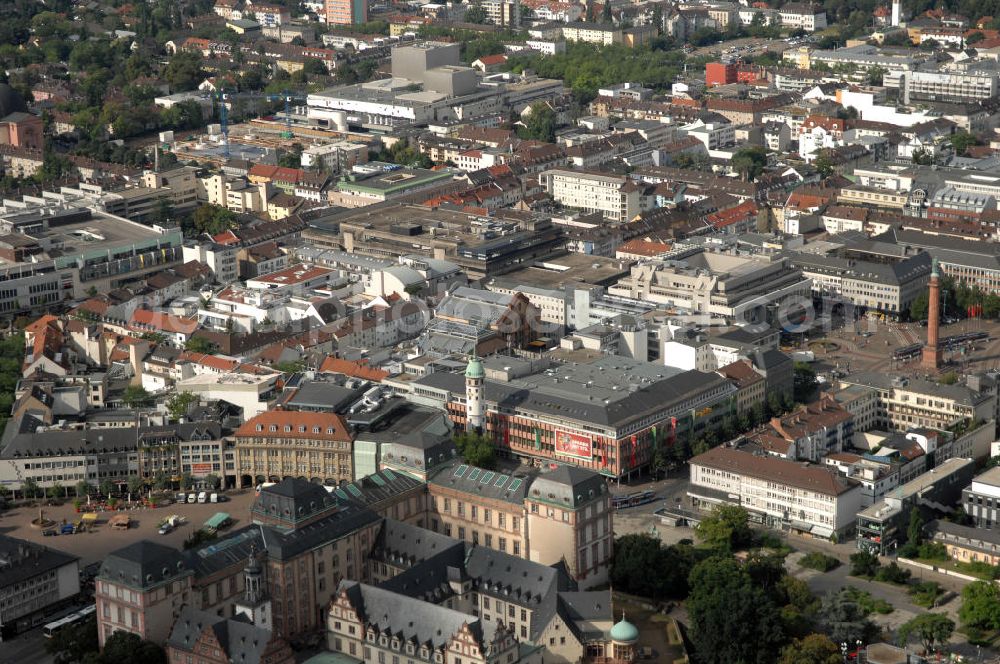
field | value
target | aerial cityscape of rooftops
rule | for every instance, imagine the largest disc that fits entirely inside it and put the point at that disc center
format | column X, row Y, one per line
column 499, row 332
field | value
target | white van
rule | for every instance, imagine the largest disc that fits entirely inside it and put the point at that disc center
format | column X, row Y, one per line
column 213, row 498
column 192, row 497
column 202, row 497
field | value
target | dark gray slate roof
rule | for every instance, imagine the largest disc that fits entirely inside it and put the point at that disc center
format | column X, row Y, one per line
column 567, row 486
column 409, row 618
column 21, row 560
column 486, row 483
column 282, row 545
column 144, row 565
column 294, row 500
column 96, row 440
column 405, row 545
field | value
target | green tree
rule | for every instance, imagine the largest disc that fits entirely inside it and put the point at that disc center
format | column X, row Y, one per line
column 804, row 383
column 893, row 573
column 179, row 404
column 844, row 620
column 922, row 157
column 83, row 488
column 643, row 566
column 107, row 488
column 187, row 481
column 211, row 219
column 814, row 649
column 726, row 528
column 476, row 449
column 930, row 628
column 161, row 480
column 57, row 490
column 213, row 481
column 314, row 67
column 980, row 605
column 475, row 14
column 540, row 124
column 961, row 141
column 864, row 564
column 875, row 74
column 136, row 396
column 72, row 644
column 824, row 166
column 135, row 486
column 183, row 72
column 918, row 307
column 199, row 345
column 127, row 648
column 749, row 162
column 731, row 619
column 29, row 487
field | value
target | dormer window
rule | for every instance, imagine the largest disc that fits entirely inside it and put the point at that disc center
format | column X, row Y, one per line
column 260, row 427
column 329, row 430
column 302, row 428
column 274, row 427
column 288, row 428
column 315, row 429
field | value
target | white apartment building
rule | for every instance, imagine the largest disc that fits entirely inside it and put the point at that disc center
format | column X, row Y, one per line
column 221, row 259
column 337, row 157
column 777, row 492
column 595, row 33
column 949, row 86
column 617, row 197
column 802, row 16
column 713, row 135
column 503, row 12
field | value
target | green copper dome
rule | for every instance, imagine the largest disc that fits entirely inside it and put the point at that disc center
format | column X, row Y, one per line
column 475, row 368
column 624, row 632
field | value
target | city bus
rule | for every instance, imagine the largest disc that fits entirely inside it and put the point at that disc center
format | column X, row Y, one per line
column 74, row 618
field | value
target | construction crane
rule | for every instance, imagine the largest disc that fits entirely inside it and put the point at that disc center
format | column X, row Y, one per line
column 287, row 96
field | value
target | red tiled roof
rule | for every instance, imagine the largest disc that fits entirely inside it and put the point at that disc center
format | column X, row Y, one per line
column 733, row 215
column 355, row 369
column 493, row 59
column 314, row 426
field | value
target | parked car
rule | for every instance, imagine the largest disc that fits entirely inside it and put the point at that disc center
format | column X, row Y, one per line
column 166, row 529
column 67, row 529
column 203, row 497
column 49, row 532
column 181, row 498
column 213, row 497
column 192, row 498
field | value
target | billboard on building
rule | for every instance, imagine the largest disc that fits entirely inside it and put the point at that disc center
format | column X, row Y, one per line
column 201, row 469
column 574, row 445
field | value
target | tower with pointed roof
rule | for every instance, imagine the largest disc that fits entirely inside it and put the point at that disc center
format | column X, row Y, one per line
column 475, row 383
column 255, row 604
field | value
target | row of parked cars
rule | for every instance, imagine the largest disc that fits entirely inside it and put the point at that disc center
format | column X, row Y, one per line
column 201, row 497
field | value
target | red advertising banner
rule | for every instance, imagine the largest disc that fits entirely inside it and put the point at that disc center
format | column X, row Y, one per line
column 201, row 469
column 571, row 444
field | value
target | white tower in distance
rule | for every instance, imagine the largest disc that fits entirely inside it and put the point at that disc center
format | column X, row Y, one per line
column 895, row 13
column 475, row 382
